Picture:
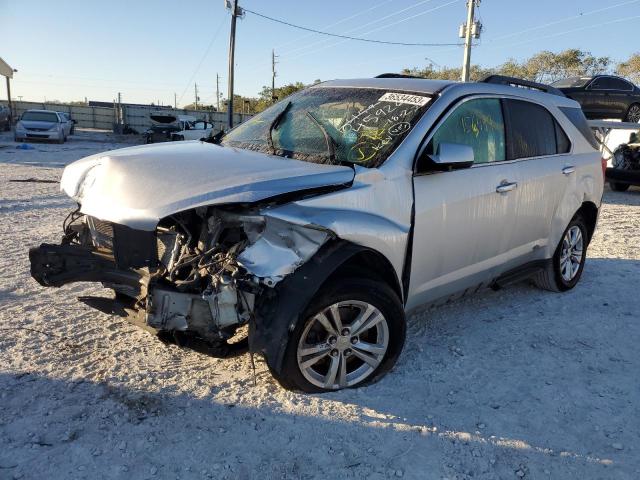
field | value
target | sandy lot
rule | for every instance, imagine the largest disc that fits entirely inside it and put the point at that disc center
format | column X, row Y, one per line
column 518, row 383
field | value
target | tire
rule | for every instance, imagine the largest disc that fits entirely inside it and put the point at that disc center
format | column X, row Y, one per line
column 554, row 277
column 619, row 187
column 354, row 296
column 633, row 114
column 61, row 140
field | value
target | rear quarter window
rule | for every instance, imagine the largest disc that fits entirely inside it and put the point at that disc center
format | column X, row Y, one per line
column 576, row 116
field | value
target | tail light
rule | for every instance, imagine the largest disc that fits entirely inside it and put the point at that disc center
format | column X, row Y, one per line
column 604, row 167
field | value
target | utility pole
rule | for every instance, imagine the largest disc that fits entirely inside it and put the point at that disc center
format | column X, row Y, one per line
column 235, row 13
column 119, row 112
column 175, row 101
column 273, row 75
column 469, row 31
column 195, row 87
column 217, row 92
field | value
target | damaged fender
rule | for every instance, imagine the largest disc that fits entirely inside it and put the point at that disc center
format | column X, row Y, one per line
column 279, row 309
column 280, row 248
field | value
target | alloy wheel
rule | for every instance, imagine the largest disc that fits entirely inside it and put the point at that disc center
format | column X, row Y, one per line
column 571, row 253
column 343, row 344
column 634, row 114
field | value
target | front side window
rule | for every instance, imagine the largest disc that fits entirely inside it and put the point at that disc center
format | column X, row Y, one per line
column 477, row 123
column 602, row 83
column 333, row 125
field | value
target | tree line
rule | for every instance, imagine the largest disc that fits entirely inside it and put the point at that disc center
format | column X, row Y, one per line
column 543, row 67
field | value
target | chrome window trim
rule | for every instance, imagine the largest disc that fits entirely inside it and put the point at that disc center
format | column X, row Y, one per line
column 462, row 100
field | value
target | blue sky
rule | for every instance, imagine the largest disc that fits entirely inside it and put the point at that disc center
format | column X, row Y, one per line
column 149, row 50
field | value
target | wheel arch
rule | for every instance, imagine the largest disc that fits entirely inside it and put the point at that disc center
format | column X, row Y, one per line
column 589, row 212
column 278, row 309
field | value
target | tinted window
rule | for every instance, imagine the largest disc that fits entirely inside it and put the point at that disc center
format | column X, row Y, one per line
column 576, row 116
column 531, row 130
column 619, row 84
column 562, row 141
column 477, row 123
column 610, row 83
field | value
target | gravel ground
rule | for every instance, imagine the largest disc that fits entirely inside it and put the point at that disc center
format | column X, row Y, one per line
column 518, row 383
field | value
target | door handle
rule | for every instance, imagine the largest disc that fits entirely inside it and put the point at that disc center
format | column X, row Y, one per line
column 568, row 170
column 505, row 187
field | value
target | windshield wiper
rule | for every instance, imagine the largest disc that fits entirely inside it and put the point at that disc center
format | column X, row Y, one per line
column 274, row 125
column 217, row 138
column 331, row 143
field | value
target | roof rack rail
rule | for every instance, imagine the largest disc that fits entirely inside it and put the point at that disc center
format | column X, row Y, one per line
column 521, row 83
column 395, row 75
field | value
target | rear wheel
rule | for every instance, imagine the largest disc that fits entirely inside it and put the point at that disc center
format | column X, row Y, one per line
column 351, row 334
column 619, row 187
column 633, row 114
column 565, row 268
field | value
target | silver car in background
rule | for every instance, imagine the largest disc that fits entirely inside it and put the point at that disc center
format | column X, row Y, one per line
column 41, row 125
column 322, row 221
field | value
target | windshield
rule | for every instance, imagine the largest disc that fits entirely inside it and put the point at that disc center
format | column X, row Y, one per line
column 333, row 125
column 571, row 82
column 40, row 117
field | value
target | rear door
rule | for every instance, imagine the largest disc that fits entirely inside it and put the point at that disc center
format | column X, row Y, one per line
column 621, row 97
column 600, row 102
column 540, row 151
column 463, row 218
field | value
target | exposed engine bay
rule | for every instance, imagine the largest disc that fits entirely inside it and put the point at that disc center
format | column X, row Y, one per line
column 195, row 278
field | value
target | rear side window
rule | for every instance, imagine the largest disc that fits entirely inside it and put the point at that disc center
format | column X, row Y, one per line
column 576, row 116
column 619, row 84
column 531, row 130
column 477, row 123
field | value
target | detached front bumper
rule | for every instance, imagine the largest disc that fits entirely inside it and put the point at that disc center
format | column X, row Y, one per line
column 57, row 265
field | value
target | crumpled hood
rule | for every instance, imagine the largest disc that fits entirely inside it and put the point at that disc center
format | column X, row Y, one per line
column 138, row 186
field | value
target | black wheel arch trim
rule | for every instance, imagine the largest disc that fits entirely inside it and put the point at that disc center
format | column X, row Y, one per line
column 278, row 309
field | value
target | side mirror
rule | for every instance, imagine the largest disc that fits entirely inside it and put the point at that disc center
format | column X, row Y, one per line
column 450, row 156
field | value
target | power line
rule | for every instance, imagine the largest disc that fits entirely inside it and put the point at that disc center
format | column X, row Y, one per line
column 361, row 27
column 562, row 20
column 347, row 37
column 382, row 27
column 215, row 35
column 346, row 19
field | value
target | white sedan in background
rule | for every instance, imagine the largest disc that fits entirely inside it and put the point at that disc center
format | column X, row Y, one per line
column 40, row 125
column 193, row 130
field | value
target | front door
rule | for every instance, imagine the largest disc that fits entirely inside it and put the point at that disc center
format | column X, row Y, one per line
column 464, row 218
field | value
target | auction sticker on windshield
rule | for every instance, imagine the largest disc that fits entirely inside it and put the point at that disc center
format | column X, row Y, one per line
column 417, row 100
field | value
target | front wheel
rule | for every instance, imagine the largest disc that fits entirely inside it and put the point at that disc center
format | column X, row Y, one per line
column 351, row 334
column 565, row 268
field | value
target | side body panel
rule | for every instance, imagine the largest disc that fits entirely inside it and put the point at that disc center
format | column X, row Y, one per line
column 463, row 230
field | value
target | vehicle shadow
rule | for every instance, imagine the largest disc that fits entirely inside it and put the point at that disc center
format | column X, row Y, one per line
column 504, row 384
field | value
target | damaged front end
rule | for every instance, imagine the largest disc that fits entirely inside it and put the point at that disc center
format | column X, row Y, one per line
column 194, row 280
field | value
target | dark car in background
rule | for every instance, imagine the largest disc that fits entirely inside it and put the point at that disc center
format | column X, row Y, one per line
column 603, row 96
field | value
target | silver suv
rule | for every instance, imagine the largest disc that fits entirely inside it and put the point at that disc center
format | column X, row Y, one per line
column 322, row 221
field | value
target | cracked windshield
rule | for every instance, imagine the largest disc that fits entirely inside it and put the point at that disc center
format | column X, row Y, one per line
column 333, row 125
